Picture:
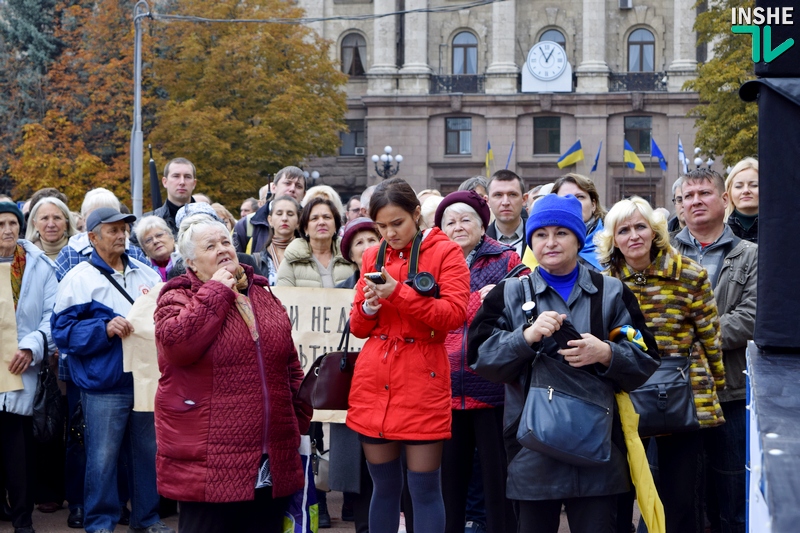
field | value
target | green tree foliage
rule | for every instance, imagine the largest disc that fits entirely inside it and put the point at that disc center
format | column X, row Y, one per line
column 726, row 126
column 244, row 100
column 27, row 47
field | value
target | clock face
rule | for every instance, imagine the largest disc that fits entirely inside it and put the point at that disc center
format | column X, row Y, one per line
column 547, row 60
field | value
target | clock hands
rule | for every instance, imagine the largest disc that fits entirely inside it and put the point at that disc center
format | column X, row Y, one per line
column 547, row 59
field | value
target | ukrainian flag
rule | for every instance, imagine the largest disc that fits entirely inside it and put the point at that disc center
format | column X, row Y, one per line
column 489, row 158
column 571, row 156
column 631, row 159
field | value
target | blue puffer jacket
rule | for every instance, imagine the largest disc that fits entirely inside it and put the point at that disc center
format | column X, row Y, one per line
column 490, row 265
column 36, row 296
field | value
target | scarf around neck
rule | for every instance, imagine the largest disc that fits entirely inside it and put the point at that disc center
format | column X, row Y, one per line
column 17, row 270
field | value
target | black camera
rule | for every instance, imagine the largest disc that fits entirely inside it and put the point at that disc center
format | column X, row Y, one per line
column 425, row 284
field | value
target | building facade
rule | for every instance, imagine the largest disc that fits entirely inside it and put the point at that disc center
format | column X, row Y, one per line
column 440, row 86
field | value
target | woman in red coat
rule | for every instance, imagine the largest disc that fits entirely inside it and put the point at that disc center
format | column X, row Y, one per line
column 227, row 424
column 401, row 387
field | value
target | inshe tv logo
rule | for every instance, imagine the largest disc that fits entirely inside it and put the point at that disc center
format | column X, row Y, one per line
column 757, row 22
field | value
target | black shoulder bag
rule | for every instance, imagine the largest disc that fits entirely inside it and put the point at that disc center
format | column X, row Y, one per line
column 327, row 383
column 48, row 403
column 568, row 412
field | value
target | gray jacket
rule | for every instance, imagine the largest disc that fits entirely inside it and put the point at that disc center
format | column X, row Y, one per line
column 498, row 352
column 735, row 294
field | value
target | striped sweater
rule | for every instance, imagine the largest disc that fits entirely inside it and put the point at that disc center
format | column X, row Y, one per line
column 678, row 304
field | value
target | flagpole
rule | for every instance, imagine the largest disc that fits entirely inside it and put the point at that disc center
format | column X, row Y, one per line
column 650, row 175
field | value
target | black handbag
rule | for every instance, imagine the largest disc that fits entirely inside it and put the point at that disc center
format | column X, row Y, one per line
column 568, row 412
column 327, row 383
column 48, row 402
column 665, row 402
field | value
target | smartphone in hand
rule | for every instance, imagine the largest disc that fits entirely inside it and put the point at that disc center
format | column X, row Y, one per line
column 375, row 277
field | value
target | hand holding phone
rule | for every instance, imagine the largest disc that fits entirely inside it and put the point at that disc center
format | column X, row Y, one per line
column 375, row 277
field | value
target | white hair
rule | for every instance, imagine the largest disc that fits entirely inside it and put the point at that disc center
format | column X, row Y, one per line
column 460, row 208
column 192, row 226
column 366, row 196
column 97, row 198
column 32, row 234
column 428, row 209
column 147, row 224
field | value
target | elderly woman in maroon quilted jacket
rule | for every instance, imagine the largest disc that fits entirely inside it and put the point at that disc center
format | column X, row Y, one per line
column 227, row 424
column 477, row 403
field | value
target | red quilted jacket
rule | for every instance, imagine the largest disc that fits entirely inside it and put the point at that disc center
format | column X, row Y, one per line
column 218, row 407
column 401, row 383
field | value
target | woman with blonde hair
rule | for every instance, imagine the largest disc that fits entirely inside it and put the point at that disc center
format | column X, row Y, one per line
column 741, row 185
column 675, row 296
column 592, row 211
column 51, row 225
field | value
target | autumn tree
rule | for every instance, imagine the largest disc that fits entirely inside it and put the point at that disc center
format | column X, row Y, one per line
column 726, row 126
column 243, row 100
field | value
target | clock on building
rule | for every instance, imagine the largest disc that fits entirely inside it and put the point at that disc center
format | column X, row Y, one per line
column 547, row 69
column 547, row 60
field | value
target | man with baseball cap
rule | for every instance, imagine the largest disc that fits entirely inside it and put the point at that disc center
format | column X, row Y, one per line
column 89, row 323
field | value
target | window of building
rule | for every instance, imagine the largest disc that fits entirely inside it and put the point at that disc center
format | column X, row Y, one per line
column 546, row 135
column 353, row 141
column 555, row 36
column 637, row 133
column 458, row 136
column 641, row 51
column 354, row 54
column 465, row 54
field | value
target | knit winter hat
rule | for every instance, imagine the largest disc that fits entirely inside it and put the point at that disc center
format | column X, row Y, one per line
column 472, row 199
column 553, row 210
column 10, row 207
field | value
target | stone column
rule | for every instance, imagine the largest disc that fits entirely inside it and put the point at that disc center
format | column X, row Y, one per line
column 593, row 71
column 501, row 76
column 415, row 74
column 684, row 63
column 384, row 65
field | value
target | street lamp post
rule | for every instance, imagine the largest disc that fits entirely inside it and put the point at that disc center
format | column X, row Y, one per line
column 387, row 171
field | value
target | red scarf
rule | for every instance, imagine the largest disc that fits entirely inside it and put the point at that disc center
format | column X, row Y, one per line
column 17, row 269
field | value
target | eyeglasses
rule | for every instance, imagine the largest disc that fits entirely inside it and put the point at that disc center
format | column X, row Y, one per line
column 158, row 236
column 677, row 200
column 354, row 210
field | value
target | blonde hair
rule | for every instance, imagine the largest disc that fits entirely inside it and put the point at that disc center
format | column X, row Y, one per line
column 744, row 164
column 607, row 252
column 326, row 192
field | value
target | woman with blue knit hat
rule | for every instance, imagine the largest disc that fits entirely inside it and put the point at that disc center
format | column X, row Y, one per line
column 522, row 321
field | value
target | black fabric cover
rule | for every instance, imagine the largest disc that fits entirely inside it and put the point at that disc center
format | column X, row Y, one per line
column 779, row 217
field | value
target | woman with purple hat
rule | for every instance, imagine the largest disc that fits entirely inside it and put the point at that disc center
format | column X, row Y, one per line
column 477, row 403
column 516, row 326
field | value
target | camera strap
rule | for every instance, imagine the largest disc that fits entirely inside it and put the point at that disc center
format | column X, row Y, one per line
column 413, row 261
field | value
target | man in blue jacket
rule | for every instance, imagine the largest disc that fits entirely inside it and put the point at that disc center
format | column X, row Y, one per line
column 88, row 322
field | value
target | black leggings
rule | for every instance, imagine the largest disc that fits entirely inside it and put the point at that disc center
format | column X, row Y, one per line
column 594, row 514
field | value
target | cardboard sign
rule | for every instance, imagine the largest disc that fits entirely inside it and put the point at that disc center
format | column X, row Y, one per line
column 139, row 354
column 318, row 318
column 8, row 332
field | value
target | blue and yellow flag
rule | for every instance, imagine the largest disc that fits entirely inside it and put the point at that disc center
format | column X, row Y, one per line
column 631, row 159
column 489, row 157
column 571, row 156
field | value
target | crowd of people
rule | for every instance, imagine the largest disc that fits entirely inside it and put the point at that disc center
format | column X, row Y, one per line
column 458, row 296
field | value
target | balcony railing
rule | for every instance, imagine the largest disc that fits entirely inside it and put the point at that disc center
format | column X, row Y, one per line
column 470, row 84
column 637, row 82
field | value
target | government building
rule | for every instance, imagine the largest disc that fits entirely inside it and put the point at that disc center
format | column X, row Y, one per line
column 440, row 80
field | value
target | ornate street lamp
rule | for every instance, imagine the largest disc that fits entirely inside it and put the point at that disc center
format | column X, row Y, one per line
column 387, row 171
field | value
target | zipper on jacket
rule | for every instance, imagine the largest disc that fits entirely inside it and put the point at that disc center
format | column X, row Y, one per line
column 264, row 392
column 462, row 369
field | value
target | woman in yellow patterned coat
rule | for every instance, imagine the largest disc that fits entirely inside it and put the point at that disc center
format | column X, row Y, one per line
column 676, row 299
